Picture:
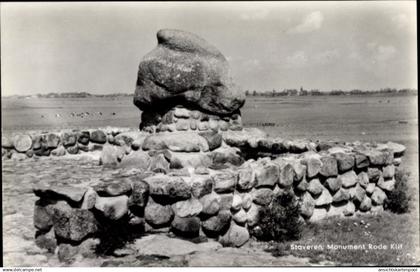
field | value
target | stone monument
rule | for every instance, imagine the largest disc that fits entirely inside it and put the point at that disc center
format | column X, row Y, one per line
column 184, row 84
column 192, row 175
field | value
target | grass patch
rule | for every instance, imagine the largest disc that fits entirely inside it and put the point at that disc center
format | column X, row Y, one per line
column 383, row 229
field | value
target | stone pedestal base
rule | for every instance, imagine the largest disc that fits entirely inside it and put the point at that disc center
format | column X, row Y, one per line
column 183, row 119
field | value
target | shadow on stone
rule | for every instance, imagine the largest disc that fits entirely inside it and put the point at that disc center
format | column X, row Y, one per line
column 114, row 234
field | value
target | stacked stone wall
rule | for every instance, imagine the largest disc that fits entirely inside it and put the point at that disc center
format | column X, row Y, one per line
column 219, row 202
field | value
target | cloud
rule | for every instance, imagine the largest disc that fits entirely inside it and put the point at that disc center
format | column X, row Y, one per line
column 313, row 21
column 253, row 15
column 297, row 59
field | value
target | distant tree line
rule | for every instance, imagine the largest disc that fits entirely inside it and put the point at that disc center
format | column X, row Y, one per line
column 316, row 92
column 73, row 95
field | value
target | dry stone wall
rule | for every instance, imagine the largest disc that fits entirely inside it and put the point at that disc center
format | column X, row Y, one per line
column 201, row 193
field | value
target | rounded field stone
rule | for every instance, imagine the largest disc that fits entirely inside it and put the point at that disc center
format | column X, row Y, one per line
column 348, row 179
column 158, row 215
column 267, row 175
column 168, row 187
column 139, row 194
column 6, row 142
column 52, row 140
column 345, row 161
column 253, row 215
column 262, row 196
column 68, row 139
column 329, row 166
column 224, row 182
column 22, row 143
column 324, row 199
column 211, row 204
column 114, row 188
column 83, row 137
column 186, row 226
column 334, row 184
column 73, row 149
column 73, row 224
column 98, row 136
column 114, row 207
column 201, row 185
column 363, row 179
column 216, row 224
column 307, row 205
column 240, row 217
column 315, row 187
column 213, row 139
column 187, row 208
column 236, row 236
column 341, row 195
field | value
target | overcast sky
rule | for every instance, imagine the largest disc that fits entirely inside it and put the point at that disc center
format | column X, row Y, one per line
column 96, row 47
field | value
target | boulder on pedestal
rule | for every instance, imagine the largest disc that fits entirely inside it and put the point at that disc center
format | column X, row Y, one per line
column 185, row 69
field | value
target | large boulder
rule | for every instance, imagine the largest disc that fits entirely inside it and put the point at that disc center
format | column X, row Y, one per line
column 185, row 69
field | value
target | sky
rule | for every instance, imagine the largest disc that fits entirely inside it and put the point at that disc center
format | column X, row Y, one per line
column 96, row 47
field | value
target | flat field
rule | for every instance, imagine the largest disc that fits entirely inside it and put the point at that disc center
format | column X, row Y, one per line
column 339, row 118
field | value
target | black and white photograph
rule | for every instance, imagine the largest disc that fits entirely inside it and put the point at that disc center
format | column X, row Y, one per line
column 275, row 134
